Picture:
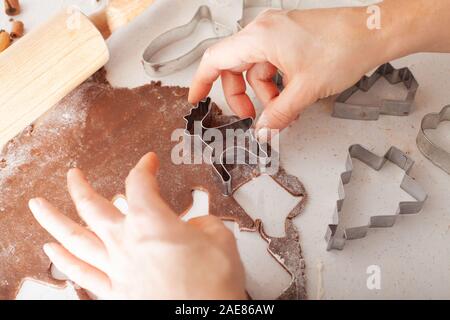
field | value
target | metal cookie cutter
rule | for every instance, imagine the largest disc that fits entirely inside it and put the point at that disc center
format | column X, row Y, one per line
column 155, row 67
column 335, row 236
column 261, row 155
column 387, row 107
column 429, row 149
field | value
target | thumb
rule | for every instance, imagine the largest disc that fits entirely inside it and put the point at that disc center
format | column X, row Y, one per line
column 208, row 224
column 142, row 191
column 213, row 227
column 285, row 108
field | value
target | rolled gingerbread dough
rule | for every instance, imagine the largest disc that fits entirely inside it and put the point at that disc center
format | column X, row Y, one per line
column 104, row 131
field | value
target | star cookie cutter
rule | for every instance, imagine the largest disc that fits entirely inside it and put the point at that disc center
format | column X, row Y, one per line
column 199, row 122
column 155, row 67
column 334, row 235
column 429, row 149
column 345, row 110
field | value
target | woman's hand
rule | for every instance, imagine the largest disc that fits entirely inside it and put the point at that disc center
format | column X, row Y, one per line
column 149, row 253
column 320, row 52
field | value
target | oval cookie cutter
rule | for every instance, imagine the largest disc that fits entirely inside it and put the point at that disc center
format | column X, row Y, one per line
column 155, row 67
column 437, row 155
column 335, row 236
column 345, row 110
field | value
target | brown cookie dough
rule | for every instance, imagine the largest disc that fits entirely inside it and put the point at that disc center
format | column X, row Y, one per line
column 103, row 131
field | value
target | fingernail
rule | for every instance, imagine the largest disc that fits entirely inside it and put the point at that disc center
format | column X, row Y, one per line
column 35, row 205
column 263, row 135
column 70, row 171
column 190, row 100
column 263, row 121
column 48, row 249
column 266, row 135
column 74, row 174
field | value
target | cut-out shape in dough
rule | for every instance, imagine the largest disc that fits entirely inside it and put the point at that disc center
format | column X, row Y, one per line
column 265, row 278
column 34, row 290
column 262, row 198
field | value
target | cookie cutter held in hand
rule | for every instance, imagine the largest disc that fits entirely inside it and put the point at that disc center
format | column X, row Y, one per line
column 155, row 67
column 430, row 149
column 345, row 110
column 335, row 236
column 262, row 155
column 292, row 259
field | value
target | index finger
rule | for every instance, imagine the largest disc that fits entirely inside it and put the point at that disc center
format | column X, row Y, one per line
column 236, row 53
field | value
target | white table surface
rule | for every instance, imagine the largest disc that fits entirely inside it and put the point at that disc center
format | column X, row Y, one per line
column 413, row 257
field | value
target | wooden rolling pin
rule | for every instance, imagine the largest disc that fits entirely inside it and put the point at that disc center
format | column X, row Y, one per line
column 40, row 69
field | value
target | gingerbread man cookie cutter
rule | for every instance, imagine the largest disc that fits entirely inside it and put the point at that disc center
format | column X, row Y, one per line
column 336, row 237
column 345, row 110
column 436, row 154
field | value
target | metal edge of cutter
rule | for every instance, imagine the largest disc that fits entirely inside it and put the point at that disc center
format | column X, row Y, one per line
column 437, row 155
column 262, row 154
column 345, row 110
column 155, row 67
column 335, row 236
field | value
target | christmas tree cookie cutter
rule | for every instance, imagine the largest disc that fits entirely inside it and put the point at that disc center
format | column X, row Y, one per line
column 343, row 109
column 335, row 236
